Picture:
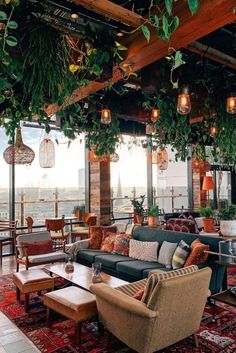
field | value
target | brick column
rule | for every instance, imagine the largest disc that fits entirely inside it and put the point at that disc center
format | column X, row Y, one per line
column 100, row 191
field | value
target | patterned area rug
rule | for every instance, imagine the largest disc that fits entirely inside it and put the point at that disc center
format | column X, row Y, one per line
column 218, row 337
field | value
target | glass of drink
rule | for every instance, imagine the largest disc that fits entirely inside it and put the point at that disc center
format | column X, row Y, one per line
column 69, row 266
column 96, row 272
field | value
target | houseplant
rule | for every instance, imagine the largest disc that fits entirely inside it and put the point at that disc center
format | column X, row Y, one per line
column 138, row 210
column 153, row 214
column 228, row 221
column 208, row 219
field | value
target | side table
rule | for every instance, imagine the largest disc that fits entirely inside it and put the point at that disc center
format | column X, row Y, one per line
column 225, row 297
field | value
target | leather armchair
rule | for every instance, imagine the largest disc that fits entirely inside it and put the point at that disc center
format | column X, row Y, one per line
column 173, row 312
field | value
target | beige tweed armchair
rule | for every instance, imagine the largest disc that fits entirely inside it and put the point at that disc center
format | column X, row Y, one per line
column 173, row 312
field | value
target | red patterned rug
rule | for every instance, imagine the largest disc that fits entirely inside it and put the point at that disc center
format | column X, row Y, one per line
column 218, row 337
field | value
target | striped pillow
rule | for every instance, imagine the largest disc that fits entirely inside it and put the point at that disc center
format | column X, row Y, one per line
column 180, row 255
column 156, row 277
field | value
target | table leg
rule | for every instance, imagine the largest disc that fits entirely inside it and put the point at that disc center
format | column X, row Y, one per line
column 77, row 333
column 26, row 302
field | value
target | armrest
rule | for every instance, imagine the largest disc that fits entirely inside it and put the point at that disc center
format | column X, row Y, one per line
column 157, row 271
column 25, row 250
column 122, row 301
column 73, row 248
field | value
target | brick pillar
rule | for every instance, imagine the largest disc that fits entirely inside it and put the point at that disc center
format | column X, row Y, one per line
column 199, row 196
column 100, row 191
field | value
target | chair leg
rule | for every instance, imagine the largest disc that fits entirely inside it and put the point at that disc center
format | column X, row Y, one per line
column 17, row 267
column 196, row 341
column 26, row 302
column 77, row 333
column 49, row 317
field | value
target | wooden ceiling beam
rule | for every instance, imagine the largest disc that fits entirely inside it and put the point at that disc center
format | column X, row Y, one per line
column 111, row 10
column 212, row 54
column 212, row 15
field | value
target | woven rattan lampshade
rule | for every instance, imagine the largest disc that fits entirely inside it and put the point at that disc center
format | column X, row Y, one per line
column 162, row 159
column 18, row 153
column 46, row 153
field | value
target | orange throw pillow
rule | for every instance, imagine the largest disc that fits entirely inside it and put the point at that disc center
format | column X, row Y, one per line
column 139, row 294
column 121, row 244
column 39, row 247
column 95, row 237
column 197, row 255
column 108, row 242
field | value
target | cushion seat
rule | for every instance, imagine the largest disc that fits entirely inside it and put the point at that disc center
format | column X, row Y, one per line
column 53, row 256
column 58, row 235
column 80, row 230
column 89, row 254
column 111, row 260
column 136, row 268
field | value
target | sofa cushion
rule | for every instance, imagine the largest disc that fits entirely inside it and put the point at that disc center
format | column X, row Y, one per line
column 89, row 255
column 108, row 242
column 136, row 268
column 95, row 237
column 143, row 250
column 110, row 260
column 166, row 253
column 121, row 244
column 39, row 247
column 180, row 255
column 197, row 255
column 50, row 257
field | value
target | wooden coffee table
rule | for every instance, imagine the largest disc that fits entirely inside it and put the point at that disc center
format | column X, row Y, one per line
column 82, row 276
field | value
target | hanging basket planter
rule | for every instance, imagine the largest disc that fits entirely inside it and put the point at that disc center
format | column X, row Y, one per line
column 46, row 153
column 162, row 159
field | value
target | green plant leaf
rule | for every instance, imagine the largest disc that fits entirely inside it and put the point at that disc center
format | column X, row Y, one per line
column 193, row 6
column 3, row 16
column 11, row 41
column 165, row 26
column 146, row 32
column 2, row 99
column 12, row 25
column 174, row 24
column 120, row 46
column 178, row 59
column 169, row 6
column 4, row 84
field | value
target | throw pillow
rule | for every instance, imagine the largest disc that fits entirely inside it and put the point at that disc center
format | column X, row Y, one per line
column 139, row 294
column 143, row 250
column 180, row 255
column 106, row 230
column 95, row 238
column 197, row 255
column 195, row 223
column 121, row 244
column 166, row 253
column 156, row 277
column 39, row 247
column 108, row 242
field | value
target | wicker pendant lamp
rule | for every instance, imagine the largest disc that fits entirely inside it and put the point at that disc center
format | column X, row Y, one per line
column 46, row 153
column 162, row 159
column 18, row 153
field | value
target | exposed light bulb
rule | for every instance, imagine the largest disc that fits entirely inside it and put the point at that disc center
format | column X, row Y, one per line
column 106, row 116
column 155, row 115
column 231, row 104
column 184, row 104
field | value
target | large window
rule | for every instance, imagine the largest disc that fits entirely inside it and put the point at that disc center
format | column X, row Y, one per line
column 50, row 192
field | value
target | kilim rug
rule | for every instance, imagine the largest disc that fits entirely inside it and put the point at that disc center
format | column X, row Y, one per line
column 218, row 337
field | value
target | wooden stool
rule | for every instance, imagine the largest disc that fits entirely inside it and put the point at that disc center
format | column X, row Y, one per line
column 29, row 281
column 72, row 302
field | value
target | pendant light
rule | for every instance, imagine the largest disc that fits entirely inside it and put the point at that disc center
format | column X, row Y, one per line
column 46, row 153
column 74, row 12
column 184, row 104
column 213, row 131
column 105, row 116
column 18, row 153
column 231, row 104
column 200, row 166
column 162, row 159
column 155, row 115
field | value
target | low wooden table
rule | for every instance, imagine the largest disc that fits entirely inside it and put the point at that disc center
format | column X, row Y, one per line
column 82, row 276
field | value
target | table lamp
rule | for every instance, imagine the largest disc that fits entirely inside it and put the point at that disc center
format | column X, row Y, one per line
column 208, row 185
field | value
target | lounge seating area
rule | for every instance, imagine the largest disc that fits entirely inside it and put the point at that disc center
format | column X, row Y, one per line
column 118, row 176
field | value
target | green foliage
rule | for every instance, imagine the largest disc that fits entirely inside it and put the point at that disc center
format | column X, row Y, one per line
column 153, row 211
column 193, row 6
column 228, row 213
column 206, row 212
column 138, row 205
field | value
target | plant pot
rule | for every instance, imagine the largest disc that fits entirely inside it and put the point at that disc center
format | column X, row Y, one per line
column 228, row 228
column 152, row 221
column 138, row 219
column 208, row 224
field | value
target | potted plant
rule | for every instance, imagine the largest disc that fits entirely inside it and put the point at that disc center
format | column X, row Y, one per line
column 227, row 218
column 138, row 210
column 153, row 214
column 208, row 219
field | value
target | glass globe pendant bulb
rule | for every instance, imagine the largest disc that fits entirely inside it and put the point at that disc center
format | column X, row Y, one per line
column 106, row 116
column 213, row 131
column 231, row 104
column 155, row 115
column 184, row 104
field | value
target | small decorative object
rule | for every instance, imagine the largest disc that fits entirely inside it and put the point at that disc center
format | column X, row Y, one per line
column 96, row 272
column 69, row 266
column 46, row 153
column 106, row 116
column 162, row 159
column 18, row 153
column 208, row 185
column 184, row 104
column 155, row 115
column 208, row 220
column 227, row 218
column 149, row 129
column 153, row 214
column 138, row 210
column 231, row 104
column 213, row 131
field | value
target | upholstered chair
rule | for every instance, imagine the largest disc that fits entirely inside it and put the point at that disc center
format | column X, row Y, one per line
column 89, row 219
column 172, row 312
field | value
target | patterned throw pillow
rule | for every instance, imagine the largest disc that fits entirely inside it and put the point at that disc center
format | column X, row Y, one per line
column 180, row 255
column 39, row 247
column 106, row 230
column 95, row 238
column 197, row 255
column 121, row 244
column 166, row 253
column 143, row 250
column 156, row 277
column 108, row 242
column 139, row 294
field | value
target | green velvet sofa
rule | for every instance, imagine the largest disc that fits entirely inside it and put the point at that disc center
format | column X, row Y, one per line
column 130, row 269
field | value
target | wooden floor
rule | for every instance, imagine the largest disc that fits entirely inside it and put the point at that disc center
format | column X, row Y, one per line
column 8, row 265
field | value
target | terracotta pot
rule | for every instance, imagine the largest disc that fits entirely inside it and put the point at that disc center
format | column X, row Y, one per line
column 208, row 224
column 152, row 221
column 137, row 218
